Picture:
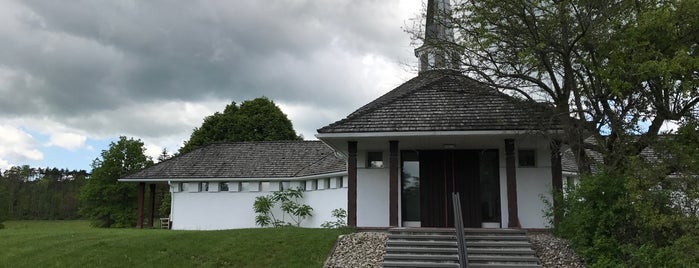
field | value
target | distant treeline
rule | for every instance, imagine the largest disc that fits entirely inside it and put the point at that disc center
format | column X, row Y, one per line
column 28, row 193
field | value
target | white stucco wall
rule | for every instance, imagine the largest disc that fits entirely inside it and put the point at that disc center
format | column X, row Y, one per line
column 532, row 185
column 216, row 210
column 323, row 202
column 372, row 197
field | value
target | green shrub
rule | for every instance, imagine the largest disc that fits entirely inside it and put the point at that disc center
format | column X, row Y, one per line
column 339, row 214
column 618, row 220
column 288, row 202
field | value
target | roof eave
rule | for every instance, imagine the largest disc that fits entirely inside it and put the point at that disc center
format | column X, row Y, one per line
column 321, row 136
column 299, row 178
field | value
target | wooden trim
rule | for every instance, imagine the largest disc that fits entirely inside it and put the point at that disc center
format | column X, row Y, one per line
column 393, row 184
column 556, row 178
column 352, row 183
column 151, row 212
column 141, row 190
column 512, row 210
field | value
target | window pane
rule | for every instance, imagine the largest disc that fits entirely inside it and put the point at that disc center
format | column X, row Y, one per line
column 526, row 158
column 490, row 186
column 410, row 186
column 223, row 187
column 375, row 159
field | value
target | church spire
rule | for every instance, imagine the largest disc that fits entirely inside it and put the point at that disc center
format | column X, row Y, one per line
column 434, row 52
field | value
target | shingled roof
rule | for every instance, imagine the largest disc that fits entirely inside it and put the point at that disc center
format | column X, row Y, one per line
column 444, row 100
column 263, row 159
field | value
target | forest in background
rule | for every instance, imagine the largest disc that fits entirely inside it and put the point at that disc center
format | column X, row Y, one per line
column 28, row 193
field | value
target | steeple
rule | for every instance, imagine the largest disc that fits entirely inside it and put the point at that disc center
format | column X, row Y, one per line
column 435, row 51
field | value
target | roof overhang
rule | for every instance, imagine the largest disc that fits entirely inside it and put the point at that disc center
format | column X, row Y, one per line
column 426, row 139
column 301, row 178
column 428, row 133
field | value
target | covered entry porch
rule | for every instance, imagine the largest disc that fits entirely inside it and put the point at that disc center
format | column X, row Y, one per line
column 406, row 179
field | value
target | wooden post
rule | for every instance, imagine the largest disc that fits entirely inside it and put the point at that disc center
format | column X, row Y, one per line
column 352, row 183
column 393, row 183
column 556, row 178
column 151, row 213
column 512, row 210
column 141, row 190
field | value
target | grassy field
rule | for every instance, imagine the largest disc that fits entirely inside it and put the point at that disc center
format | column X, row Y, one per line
column 76, row 244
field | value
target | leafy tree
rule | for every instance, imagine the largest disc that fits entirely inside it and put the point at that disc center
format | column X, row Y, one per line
column 605, row 66
column 614, row 72
column 103, row 199
column 254, row 120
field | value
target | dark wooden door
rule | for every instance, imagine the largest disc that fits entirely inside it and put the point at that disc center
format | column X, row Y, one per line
column 441, row 173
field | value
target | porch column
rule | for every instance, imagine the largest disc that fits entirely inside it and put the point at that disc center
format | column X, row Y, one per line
column 141, row 190
column 352, row 183
column 512, row 210
column 393, row 183
column 556, row 178
column 151, row 213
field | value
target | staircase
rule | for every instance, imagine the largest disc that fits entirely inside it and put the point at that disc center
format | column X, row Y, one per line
column 436, row 247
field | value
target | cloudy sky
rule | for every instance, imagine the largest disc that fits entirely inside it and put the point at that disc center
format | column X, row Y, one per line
column 76, row 75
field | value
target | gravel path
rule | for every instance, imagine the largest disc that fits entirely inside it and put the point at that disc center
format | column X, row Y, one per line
column 367, row 249
column 553, row 251
column 358, row 250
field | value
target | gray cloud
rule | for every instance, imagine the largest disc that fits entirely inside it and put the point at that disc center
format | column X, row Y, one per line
column 95, row 66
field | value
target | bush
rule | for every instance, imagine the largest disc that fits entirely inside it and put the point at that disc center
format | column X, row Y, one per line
column 288, row 202
column 618, row 220
column 339, row 214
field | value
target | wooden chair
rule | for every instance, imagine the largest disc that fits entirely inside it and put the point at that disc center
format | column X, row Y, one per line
column 165, row 223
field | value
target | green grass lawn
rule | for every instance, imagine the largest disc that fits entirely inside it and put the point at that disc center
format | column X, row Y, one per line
column 76, row 244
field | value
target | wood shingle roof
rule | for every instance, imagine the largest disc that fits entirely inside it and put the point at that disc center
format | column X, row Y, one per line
column 444, row 100
column 262, row 159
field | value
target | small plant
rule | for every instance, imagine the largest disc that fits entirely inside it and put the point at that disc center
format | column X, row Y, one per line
column 339, row 214
column 287, row 200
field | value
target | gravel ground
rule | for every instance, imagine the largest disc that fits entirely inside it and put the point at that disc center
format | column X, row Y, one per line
column 553, row 251
column 367, row 249
column 358, row 250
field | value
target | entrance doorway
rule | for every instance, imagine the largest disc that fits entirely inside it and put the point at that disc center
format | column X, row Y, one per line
column 429, row 177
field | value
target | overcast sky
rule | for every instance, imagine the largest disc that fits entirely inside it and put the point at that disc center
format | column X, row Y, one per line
column 75, row 75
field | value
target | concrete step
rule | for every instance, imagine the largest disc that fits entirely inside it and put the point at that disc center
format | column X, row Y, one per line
column 437, row 247
column 422, row 236
column 419, row 243
column 419, row 264
column 495, row 231
column 501, row 258
column 511, row 251
column 451, row 230
column 422, row 257
column 496, row 237
column 502, row 265
column 502, row 251
column 469, row 244
column 419, row 250
column 498, row 244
